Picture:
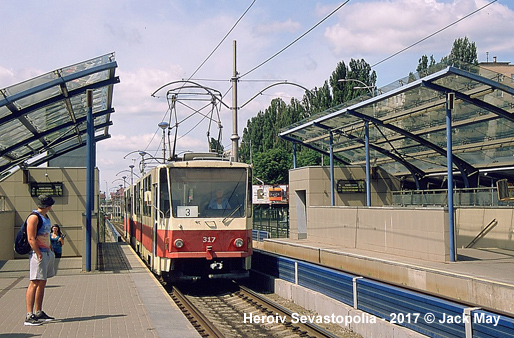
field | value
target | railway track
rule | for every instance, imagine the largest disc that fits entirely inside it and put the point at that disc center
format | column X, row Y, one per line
column 242, row 313
column 203, row 325
column 119, row 227
column 231, row 310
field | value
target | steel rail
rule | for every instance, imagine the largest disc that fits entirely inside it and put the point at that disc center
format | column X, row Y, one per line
column 266, row 305
column 203, row 325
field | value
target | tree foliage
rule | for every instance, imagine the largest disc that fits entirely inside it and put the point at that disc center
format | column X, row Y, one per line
column 463, row 52
column 272, row 166
column 271, row 155
column 215, row 146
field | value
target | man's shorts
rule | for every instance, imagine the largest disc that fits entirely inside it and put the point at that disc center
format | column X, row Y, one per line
column 41, row 269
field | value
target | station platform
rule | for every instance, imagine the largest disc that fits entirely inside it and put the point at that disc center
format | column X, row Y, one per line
column 480, row 277
column 122, row 300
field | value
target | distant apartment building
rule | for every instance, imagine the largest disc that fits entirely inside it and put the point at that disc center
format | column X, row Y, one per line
column 504, row 68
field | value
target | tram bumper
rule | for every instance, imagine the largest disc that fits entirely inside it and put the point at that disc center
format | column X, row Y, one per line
column 231, row 275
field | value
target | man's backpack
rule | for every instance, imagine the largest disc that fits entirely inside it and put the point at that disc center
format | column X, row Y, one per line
column 21, row 243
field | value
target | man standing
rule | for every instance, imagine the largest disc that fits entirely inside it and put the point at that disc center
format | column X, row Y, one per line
column 41, row 261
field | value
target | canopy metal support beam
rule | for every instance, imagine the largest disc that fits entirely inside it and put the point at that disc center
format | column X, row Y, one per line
column 465, row 168
column 417, row 173
column 292, row 139
column 450, row 101
column 474, row 101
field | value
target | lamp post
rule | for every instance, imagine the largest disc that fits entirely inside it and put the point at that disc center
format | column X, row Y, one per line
column 371, row 90
column 163, row 125
column 142, row 154
column 131, row 172
column 122, row 179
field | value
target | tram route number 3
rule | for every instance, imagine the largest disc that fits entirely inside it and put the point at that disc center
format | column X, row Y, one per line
column 187, row 211
column 209, row 239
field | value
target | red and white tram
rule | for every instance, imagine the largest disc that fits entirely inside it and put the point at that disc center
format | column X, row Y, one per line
column 192, row 219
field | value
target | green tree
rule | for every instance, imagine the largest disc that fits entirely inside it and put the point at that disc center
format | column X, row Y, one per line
column 308, row 157
column 215, row 146
column 272, row 166
column 425, row 64
column 271, row 155
column 358, row 70
column 464, row 51
column 463, row 54
column 340, row 89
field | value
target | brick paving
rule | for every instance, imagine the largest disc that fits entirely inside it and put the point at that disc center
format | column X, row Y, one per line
column 123, row 300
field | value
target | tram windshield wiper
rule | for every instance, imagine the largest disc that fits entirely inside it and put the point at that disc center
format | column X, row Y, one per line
column 231, row 214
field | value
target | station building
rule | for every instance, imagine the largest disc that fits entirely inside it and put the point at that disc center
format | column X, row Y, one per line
column 386, row 189
column 43, row 138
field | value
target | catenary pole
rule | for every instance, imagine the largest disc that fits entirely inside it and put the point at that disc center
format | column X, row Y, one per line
column 450, row 99
column 234, row 137
column 90, row 141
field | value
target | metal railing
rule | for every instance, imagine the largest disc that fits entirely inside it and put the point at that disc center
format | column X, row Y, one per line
column 417, row 311
column 476, row 197
column 274, row 221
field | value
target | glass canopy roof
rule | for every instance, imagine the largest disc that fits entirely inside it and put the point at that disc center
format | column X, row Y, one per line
column 407, row 126
column 45, row 117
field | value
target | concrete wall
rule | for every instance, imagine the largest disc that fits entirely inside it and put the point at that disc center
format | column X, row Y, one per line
column 7, row 231
column 469, row 222
column 405, row 231
column 322, row 305
column 68, row 209
column 418, row 233
column 316, row 180
column 459, row 286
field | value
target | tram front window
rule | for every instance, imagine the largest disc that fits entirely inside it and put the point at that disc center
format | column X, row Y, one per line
column 208, row 192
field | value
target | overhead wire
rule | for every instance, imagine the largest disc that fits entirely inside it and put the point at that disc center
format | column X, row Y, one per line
column 307, row 32
column 296, row 40
column 435, row 33
column 289, row 45
column 222, row 40
column 203, row 63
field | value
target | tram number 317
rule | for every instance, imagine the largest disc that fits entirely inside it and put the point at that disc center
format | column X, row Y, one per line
column 209, row 239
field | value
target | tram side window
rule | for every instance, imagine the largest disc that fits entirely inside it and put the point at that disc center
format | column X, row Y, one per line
column 164, row 202
column 128, row 202
column 137, row 199
column 146, row 187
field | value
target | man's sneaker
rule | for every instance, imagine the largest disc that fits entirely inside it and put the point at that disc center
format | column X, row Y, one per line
column 32, row 321
column 43, row 317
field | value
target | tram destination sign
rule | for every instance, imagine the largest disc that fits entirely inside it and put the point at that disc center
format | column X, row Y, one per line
column 47, row 188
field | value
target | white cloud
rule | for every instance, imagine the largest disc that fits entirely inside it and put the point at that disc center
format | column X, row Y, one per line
column 377, row 27
column 166, row 41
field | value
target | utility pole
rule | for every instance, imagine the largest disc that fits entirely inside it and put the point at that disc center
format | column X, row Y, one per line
column 234, row 137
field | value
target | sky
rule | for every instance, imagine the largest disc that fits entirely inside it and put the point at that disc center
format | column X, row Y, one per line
column 157, row 42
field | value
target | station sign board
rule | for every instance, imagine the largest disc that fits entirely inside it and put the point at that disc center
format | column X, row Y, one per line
column 351, row 186
column 47, row 188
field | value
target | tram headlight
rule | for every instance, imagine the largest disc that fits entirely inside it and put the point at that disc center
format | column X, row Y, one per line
column 239, row 242
column 179, row 243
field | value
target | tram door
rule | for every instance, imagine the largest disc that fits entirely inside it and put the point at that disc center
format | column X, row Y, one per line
column 155, row 212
